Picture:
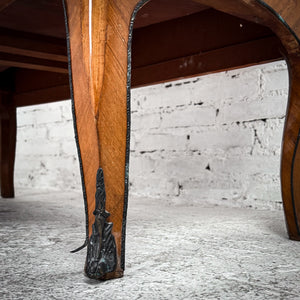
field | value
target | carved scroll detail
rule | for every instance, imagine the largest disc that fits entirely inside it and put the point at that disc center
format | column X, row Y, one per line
column 101, row 252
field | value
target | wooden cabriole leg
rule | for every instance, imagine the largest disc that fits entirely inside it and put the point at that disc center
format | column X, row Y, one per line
column 8, row 131
column 290, row 160
column 98, row 37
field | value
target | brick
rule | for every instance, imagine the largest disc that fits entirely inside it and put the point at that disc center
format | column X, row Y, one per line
column 253, row 165
column 141, row 164
column 181, row 167
column 48, row 116
column 159, row 141
column 157, row 96
column 189, row 117
column 221, row 138
column 153, row 186
column 63, row 130
column 145, row 121
column 61, row 162
column 68, row 147
column 31, row 133
column 25, row 117
column 27, row 162
column 243, row 112
column 275, row 83
column 233, row 85
column 270, row 134
column 66, row 110
column 38, row 146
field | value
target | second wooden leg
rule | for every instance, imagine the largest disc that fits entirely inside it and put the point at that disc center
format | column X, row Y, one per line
column 290, row 163
column 8, row 131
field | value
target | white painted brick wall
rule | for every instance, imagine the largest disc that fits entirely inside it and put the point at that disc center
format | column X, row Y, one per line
column 46, row 155
column 214, row 139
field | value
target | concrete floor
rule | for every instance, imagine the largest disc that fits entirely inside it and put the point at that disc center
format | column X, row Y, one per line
column 172, row 252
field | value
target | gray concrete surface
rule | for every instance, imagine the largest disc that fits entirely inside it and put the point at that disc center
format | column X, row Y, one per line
column 173, row 252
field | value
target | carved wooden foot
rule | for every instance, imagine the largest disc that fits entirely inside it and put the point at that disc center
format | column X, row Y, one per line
column 8, row 144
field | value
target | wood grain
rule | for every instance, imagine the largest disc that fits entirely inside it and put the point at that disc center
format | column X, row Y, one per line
column 289, row 11
column 44, row 17
column 194, row 34
column 88, row 73
column 149, row 14
column 254, row 11
column 5, row 3
column 28, row 62
column 250, row 53
column 32, row 45
column 36, row 87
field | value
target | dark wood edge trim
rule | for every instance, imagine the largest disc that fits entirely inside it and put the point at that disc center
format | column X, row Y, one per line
column 292, row 183
column 293, row 158
column 279, row 17
column 74, row 120
column 128, row 88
